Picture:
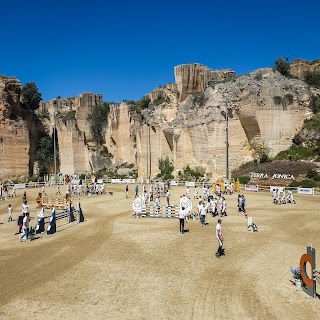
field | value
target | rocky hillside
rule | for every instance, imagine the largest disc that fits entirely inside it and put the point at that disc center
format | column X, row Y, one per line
column 184, row 120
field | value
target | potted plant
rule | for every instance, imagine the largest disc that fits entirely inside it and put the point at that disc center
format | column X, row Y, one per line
column 297, row 277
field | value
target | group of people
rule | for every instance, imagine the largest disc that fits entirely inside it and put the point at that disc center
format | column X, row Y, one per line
column 4, row 191
column 85, row 190
column 183, row 216
column 279, row 196
column 23, row 219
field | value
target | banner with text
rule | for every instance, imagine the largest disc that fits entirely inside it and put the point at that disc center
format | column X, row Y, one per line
column 250, row 187
column 306, row 191
column 190, row 184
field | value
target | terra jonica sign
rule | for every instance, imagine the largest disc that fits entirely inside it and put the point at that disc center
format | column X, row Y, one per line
column 274, row 176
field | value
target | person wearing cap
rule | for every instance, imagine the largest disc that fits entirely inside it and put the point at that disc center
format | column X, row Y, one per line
column 219, row 252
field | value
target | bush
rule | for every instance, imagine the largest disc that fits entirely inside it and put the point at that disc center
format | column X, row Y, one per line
column 98, row 119
column 66, row 115
column 199, row 99
column 189, row 174
column 312, row 79
column 166, row 168
column 308, row 184
column 45, row 154
column 30, row 96
column 315, row 103
column 243, row 179
column 44, row 114
column 160, row 99
column 294, row 184
column 295, row 153
column 283, row 66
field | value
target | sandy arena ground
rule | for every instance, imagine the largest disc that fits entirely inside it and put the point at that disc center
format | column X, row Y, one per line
column 115, row 267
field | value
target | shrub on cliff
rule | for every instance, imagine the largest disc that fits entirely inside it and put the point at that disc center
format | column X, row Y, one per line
column 282, row 65
column 30, row 95
column 44, row 155
column 312, row 79
column 98, row 119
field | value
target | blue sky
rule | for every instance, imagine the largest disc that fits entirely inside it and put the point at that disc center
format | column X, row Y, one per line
column 125, row 49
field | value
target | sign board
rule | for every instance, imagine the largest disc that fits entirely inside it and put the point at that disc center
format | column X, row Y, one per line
column 190, row 184
column 174, row 183
column 100, row 180
column 123, row 181
column 306, row 191
column 249, row 187
column 20, row 185
column 277, row 188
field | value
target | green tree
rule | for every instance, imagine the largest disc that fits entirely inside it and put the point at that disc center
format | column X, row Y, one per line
column 45, row 154
column 98, row 119
column 283, row 66
column 30, row 95
column 166, row 168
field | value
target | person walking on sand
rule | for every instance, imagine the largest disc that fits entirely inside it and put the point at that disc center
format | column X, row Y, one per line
column 219, row 236
column 10, row 213
column 127, row 192
column 13, row 193
column 195, row 196
column 168, row 197
column 182, row 216
column 136, row 189
column 25, row 227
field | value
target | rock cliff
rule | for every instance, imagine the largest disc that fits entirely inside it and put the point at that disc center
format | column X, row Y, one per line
column 18, row 131
column 185, row 121
column 299, row 67
column 193, row 78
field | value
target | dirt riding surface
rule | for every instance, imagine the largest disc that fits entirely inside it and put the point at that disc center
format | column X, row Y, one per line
column 115, row 267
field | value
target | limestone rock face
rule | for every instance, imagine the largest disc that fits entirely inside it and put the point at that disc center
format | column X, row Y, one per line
column 262, row 106
column 73, row 152
column 192, row 78
column 300, row 67
column 83, row 104
column 14, row 133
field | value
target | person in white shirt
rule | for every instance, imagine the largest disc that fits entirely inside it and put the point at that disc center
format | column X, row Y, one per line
column 182, row 216
column 219, row 236
column 203, row 212
column 168, row 197
column 188, row 193
column 25, row 227
column 283, row 199
column 10, row 210
column 195, row 192
column 13, row 193
column 224, row 207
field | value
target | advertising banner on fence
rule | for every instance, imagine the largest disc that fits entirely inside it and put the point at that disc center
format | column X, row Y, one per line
column 190, row 184
column 20, row 185
column 123, row 181
column 306, row 191
column 174, row 183
column 250, row 187
column 277, row 188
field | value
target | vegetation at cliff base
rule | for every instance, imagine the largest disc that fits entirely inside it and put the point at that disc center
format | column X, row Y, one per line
column 45, row 155
column 97, row 119
column 31, row 96
column 166, row 168
column 190, row 174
